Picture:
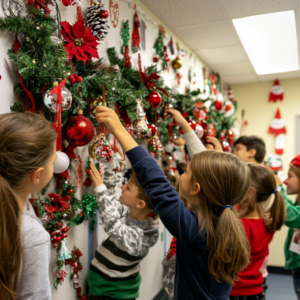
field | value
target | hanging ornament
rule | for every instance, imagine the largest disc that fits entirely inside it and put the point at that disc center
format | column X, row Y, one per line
column 97, row 18
column 63, row 252
column 176, row 63
column 140, row 127
column 274, row 162
column 114, row 13
column 79, row 130
column 127, row 63
column 50, row 99
column 117, row 161
column 278, row 128
column 276, row 92
column 166, row 59
column 226, row 146
column 127, row 122
column 230, row 137
column 14, row 8
column 155, row 147
column 94, row 104
column 222, row 135
column 41, row 5
column 199, row 131
column 165, row 113
column 230, row 95
column 171, row 47
column 218, row 105
column 125, row 35
column 154, row 98
column 61, row 163
column 99, row 149
column 136, row 34
column 153, row 128
column 178, row 77
column 159, row 45
column 229, row 109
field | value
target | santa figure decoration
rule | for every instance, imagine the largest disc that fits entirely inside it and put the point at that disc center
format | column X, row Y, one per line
column 276, row 92
column 277, row 127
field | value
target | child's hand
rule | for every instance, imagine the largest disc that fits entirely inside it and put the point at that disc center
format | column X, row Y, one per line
column 213, row 143
column 181, row 121
column 95, row 176
column 109, row 118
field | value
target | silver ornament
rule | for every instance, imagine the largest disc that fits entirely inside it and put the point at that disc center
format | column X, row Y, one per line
column 61, row 163
column 50, row 99
column 140, row 126
column 14, row 8
column 199, row 131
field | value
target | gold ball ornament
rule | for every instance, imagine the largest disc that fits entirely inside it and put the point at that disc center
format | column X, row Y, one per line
column 177, row 63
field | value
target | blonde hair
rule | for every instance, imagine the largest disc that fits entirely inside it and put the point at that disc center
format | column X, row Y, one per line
column 224, row 180
column 264, row 183
column 26, row 143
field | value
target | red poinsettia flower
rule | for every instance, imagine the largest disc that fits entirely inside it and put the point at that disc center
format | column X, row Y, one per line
column 149, row 82
column 79, row 41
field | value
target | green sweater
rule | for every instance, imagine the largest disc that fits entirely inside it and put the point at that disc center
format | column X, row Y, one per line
column 292, row 259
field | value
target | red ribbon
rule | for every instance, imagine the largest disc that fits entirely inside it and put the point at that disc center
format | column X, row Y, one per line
column 57, row 117
column 16, row 48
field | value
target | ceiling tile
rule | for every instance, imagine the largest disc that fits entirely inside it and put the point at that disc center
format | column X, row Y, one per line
column 178, row 13
column 233, row 68
column 207, row 35
column 285, row 75
column 239, row 9
column 237, row 79
column 222, row 55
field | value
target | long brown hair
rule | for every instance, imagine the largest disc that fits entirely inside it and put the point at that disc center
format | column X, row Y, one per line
column 26, row 143
column 296, row 170
column 224, row 180
column 264, row 183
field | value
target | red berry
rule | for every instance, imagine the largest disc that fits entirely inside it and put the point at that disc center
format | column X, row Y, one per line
column 60, row 229
column 71, row 77
column 73, row 81
column 54, row 238
column 64, row 235
column 88, row 171
column 71, row 191
column 78, row 78
column 66, row 229
column 59, row 224
column 55, row 245
column 155, row 59
column 58, row 238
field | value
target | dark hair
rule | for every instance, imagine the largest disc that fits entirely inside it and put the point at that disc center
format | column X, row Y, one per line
column 264, row 183
column 26, row 143
column 253, row 142
column 142, row 194
column 224, row 180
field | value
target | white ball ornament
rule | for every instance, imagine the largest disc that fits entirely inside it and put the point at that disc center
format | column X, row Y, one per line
column 199, row 131
column 61, row 163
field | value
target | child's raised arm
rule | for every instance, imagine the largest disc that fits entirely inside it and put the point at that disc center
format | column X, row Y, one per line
column 182, row 223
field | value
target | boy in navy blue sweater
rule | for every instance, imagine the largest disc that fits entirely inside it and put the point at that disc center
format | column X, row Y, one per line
column 193, row 279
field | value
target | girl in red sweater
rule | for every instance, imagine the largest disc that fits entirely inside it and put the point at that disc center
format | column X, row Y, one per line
column 260, row 220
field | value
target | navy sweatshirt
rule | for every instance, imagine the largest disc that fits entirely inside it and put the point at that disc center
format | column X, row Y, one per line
column 192, row 280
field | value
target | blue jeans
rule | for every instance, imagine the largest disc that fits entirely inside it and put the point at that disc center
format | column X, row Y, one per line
column 253, row 297
column 296, row 278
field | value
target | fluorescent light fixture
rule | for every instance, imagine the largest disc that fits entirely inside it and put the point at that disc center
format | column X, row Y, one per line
column 270, row 41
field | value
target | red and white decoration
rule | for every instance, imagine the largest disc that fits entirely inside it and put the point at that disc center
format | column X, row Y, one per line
column 277, row 127
column 276, row 92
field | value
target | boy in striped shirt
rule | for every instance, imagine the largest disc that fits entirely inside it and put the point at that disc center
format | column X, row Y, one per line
column 131, row 227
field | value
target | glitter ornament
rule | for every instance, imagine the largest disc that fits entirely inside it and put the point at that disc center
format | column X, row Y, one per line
column 199, row 131
column 99, row 149
column 155, row 147
column 61, row 163
column 169, row 147
column 79, row 130
column 140, row 127
column 153, row 128
column 226, row 146
column 218, row 105
column 50, row 99
column 97, row 18
column 154, row 98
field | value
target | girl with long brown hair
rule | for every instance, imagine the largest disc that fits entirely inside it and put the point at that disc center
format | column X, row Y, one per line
column 27, row 154
column 262, row 213
column 211, row 243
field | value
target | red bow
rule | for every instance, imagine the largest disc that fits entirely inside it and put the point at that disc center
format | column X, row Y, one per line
column 58, row 201
column 149, row 82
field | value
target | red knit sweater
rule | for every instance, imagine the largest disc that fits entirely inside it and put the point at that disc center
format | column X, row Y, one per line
column 250, row 279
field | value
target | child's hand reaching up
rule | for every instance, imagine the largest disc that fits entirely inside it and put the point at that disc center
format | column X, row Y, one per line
column 181, row 121
column 111, row 120
column 213, row 143
column 95, row 176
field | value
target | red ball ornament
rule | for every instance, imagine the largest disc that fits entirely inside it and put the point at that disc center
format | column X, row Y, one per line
column 71, row 191
column 103, row 14
column 64, row 235
column 155, row 59
column 66, row 2
column 58, row 238
column 153, row 128
column 154, row 98
column 79, row 130
column 230, row 134
column 78, row 79
column 59, row 224
column 192, row 124
column 218, row 105
column 71, row 77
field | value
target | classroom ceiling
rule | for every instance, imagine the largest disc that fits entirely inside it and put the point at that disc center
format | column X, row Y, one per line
column 206, row 27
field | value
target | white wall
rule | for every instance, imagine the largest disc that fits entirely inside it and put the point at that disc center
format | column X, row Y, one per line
column 151, row 270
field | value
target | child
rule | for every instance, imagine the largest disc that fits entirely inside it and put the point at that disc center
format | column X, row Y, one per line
column 194, row 145
column 114, row 271
column 292, row 259
column 251, row 149
column 260, row 222
column 211, row 243
column 27, row 154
